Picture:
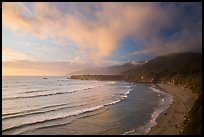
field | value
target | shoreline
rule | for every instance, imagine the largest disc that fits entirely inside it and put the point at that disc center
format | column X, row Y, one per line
column 170, row 121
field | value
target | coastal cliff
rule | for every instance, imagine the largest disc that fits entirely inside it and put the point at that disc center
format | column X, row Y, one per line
column 128, row 78
column 181, row 69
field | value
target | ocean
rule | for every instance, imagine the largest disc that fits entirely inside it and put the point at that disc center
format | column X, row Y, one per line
column 61, row 106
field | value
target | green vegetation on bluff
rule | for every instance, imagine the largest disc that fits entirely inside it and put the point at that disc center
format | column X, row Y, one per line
column 179, row 69
column 184, row 69
column 98, row 77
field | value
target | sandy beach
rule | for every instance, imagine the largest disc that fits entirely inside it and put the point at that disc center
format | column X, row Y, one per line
column 170, row 121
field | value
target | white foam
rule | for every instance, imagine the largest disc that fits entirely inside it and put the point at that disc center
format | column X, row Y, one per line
column 163, row 105
column 128, row 92
column 129, row 132
column 122, row 95
column 51, row 116
column 111, row 82
column 127, row 86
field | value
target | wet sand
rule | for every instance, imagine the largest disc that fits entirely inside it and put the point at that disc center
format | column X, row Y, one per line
column 170, row 121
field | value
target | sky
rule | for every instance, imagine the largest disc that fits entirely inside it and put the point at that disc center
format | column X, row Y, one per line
column 59, row 38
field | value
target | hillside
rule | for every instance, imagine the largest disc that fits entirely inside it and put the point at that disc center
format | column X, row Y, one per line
column 111, row 70
column 180, row 69
column 184, row 69
column 192, row 124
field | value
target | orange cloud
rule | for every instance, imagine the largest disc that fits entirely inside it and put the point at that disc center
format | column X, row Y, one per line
column 9, row 55
column 96, row 38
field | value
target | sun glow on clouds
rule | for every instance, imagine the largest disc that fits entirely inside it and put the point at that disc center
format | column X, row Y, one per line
column 96, row 29
column 97, row 38
column 10, row 55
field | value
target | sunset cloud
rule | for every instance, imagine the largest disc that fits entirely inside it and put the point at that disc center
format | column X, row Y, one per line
column 97, row 29
column 10, row 55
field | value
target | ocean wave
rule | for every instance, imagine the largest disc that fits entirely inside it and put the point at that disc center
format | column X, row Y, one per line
column 129, row 132
column 111, row 82
column 41, row 108
column 33, row 91
column 54, row 93
column 127, row 86
column 122, row 95
column 49, row 94
column 51, row 118
column 163, row 105
column 37, row 109
column 64, row 115
column 61, row 124
column 161, row 108
column 79, row 83
column 158, row 91
column 41, row 112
